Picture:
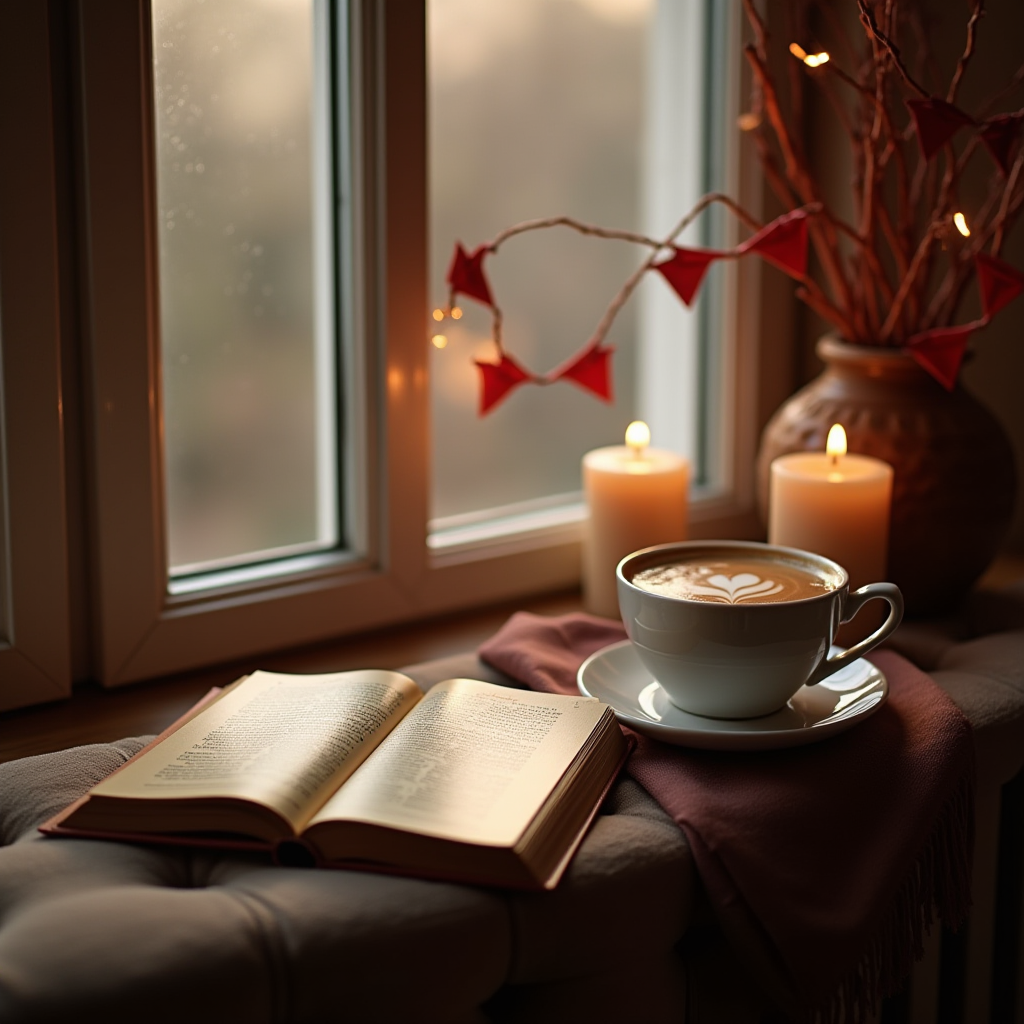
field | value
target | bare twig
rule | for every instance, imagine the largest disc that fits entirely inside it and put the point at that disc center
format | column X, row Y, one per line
column 760, row 32
column 775, row 177
column 899, row 253
column 882, row 118
column 961, row 64
column 796, row 172
column 802, row 183
column 906, row 285
column 868, row 20
column 882, row 273
column 1001, row 217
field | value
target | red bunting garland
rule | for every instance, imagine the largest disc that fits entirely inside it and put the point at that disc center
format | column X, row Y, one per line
column 999, row 135
column 998, row 282
column 783, row 243
column 466, row 274
column 936, row 122
column 591, row 371
column 498, row 379
column 941, row 350
column 685, row 270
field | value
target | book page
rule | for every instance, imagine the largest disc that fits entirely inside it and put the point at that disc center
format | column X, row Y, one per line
column 473, row 762
column 286, row 741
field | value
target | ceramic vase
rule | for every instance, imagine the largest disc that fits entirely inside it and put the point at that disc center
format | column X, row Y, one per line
column 954, row 479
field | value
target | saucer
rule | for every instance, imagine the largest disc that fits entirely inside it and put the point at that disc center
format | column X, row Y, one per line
column 616, row 676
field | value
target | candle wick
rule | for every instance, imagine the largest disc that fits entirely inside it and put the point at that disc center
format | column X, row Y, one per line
column 835, row 461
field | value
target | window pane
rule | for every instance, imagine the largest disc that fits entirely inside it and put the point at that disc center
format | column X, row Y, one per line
column 242, row 137
column 537, row 108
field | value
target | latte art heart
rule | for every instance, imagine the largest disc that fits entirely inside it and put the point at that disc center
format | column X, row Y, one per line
column 746, row 581
column 740, row 587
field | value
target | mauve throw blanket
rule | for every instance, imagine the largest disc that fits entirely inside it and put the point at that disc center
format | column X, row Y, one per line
column 824, row 863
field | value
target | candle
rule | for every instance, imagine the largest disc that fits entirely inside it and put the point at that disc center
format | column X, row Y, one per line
column 834, row 504
column 636, row 496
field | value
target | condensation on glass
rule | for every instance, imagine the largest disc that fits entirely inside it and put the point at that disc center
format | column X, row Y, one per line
column 242, row 126
column 537, row 108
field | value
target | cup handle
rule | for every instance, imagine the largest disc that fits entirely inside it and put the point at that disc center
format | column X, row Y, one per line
column 873, row 591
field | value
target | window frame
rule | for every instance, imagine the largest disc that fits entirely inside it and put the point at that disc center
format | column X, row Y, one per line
column 35, row 635
column 141, row 628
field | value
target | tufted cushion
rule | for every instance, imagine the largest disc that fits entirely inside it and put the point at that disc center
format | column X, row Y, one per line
column 977, row 657
column 95, row 930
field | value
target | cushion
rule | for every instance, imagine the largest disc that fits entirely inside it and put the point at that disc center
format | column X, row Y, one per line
column 94, row 930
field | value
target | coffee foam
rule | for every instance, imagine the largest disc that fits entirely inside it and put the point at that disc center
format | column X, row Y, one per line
column 734, row 580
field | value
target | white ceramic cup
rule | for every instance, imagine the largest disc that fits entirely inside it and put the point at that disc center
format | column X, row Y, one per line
column 743, row 660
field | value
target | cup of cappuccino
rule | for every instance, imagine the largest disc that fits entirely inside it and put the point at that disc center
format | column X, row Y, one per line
column 732, row 629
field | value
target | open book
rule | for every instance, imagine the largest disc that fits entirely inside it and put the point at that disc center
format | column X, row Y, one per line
column 470, row 781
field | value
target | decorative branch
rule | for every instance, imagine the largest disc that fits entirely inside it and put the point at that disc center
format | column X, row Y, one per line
column 1002, row 216
column 894, row 270
column 868, row 20
column 961, row 64
column 906, row 285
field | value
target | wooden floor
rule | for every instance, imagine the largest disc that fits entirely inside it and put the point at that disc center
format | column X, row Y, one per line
column 96, row 715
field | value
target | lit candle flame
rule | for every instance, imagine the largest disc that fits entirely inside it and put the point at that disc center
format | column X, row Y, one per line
column 835, row 445
column 961, row 224
column 812, row 60
column 638, row 436
column 439, row 341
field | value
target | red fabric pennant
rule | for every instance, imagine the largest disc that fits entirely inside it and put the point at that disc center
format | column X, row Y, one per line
column 998, row 282
column 591, row 371
column 685, row 270
column 466, row 274
column 783, row 243
column 940, row 351
column 497, row 380
column 936, row 122
column 999, row 134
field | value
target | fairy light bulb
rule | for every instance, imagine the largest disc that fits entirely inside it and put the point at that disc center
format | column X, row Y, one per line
column 439, row 341
column 456, row 313
column 961, row 224
column 438, row 315
column 812, row 60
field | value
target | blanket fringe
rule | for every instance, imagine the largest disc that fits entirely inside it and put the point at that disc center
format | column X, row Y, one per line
column 938, row 883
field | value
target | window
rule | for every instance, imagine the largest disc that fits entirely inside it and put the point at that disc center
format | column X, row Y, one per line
column 242, row 119
column 537, row 109
column 623, row 131
column 156, row 599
